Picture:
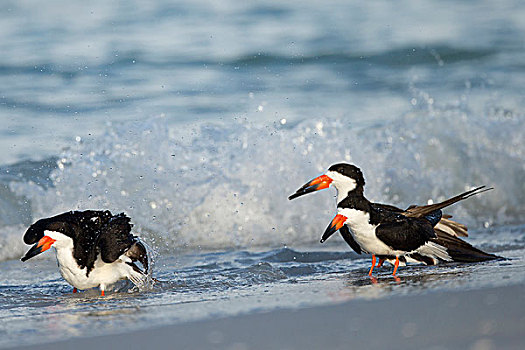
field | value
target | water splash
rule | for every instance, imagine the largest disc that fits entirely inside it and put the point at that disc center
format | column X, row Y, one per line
column 218, row 185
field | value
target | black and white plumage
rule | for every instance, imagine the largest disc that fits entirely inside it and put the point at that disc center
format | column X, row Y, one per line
column 417, row 234
column 94, row 248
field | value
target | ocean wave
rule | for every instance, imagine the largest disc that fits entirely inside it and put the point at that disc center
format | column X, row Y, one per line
column 407, row 56
column 11, row 244
column 220, row 185
column 399, row 57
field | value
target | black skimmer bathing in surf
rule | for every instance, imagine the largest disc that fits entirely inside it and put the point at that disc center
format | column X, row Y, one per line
column 417, row 234
column 94, row 248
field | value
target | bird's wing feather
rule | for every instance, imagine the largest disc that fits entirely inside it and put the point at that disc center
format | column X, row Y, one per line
column 423, row 210
column 444, row 225
column 138, row 252
column 451, row 227
column 115, row 238
column 402, row 233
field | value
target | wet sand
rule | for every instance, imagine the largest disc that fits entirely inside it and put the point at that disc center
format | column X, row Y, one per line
column 491, row 318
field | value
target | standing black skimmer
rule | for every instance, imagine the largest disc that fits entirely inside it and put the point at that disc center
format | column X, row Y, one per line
column 417, row 234
column 94, row 248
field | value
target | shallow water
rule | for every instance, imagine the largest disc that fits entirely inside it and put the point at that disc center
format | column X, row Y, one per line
column 38, row 306
column 198, row 119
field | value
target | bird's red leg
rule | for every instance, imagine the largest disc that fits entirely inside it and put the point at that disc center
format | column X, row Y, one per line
column 373, row 264
column 75, row 289
column 396, row 265
column 102, row 293
column 380, row 263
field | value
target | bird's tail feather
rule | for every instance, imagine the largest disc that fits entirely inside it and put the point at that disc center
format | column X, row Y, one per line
column 450, row 227
column 460, row 250
column 138, row 279
column 434, row 250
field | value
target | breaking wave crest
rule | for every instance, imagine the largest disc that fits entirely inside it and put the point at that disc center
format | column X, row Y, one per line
column 220, row 185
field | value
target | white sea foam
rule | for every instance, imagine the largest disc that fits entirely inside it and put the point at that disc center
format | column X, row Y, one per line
column 11, row 244
column 226, row 184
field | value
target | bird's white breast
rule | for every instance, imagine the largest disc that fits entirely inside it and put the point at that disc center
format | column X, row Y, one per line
column 101, row 274
column 364, row 232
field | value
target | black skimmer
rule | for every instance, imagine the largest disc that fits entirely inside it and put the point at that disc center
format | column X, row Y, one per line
column 94, row 248
column 417, row 234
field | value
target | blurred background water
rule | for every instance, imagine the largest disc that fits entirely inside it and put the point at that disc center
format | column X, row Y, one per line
column 198, row 118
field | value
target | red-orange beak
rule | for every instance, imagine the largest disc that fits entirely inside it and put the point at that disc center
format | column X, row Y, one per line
column 319, row 183
column 335, row 225
column 41, row 246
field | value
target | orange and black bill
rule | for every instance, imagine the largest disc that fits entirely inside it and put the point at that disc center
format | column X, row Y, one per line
column 319, row 183
column 41, row 246
column 335, row 225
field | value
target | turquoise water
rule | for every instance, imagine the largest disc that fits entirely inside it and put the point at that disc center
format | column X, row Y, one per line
column 198, row 119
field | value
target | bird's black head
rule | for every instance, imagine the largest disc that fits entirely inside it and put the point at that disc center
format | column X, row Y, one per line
column 349, row 171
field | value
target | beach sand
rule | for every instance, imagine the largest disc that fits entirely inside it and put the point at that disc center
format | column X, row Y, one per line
column 490, row 318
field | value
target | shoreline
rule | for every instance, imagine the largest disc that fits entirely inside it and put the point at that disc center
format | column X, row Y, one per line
column 490, row 318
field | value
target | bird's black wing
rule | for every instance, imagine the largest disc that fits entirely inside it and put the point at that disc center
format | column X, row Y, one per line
column 349, row 239
column 423, row 210
column 434, row 216
column 138, row 252
column 115, row 238
column 402, row 233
